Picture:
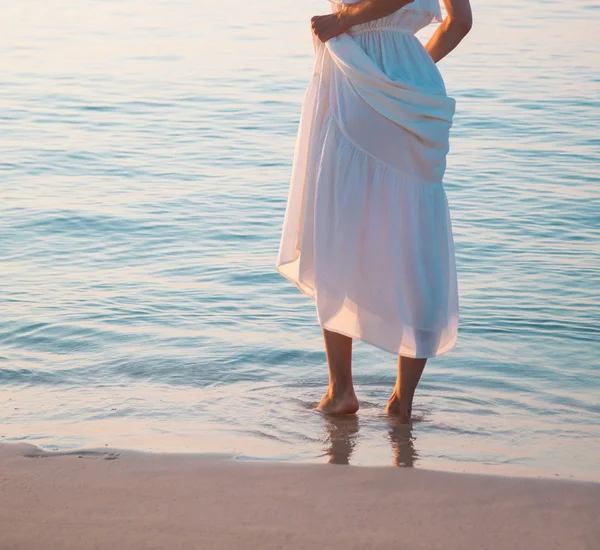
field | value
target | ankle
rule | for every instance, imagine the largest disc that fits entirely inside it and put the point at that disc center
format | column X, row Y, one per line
column 400, row 406
column 402, row 402
column 402, row 397
column 340, row 390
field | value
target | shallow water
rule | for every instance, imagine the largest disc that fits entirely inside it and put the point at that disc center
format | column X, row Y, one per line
column 145, row 155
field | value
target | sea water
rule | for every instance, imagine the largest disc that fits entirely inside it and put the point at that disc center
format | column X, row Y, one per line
column 145, row 156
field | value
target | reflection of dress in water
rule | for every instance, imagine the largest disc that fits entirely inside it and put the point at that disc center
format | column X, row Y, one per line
column 367, row 231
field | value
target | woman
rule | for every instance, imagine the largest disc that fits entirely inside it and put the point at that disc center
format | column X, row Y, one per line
column 367, row 231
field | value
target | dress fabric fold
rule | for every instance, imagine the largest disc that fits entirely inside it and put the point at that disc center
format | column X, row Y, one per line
column 367, row 231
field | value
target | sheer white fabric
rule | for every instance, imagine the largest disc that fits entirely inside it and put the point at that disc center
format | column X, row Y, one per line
column 367, row 231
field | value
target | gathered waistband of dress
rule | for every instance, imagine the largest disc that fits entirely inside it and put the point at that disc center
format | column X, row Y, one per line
column 361, row 30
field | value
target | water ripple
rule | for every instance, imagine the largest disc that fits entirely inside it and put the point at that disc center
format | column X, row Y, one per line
column 146, row 154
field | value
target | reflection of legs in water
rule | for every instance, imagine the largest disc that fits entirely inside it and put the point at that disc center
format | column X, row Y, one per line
column 340, row 397
column 402, row 441
column 409, row 374
column 342, row 432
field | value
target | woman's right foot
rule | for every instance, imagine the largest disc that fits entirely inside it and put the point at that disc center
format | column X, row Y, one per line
column 339, row 404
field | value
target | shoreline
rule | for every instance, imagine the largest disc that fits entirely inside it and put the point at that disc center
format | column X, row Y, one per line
column 338, row 453
column 129, row 499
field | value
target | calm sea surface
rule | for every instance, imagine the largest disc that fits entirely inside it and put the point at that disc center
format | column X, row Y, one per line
column 145, row 154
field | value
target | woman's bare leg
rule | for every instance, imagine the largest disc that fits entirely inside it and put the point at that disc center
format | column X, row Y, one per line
column 340, row 397
column 409, row 374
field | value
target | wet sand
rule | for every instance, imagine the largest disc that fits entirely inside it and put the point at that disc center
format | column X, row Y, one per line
column 134, row 501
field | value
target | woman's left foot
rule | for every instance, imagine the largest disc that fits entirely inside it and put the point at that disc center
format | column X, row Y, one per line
column 395, row 407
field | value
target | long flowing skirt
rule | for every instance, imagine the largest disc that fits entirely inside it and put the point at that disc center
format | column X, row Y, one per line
column 367, row 231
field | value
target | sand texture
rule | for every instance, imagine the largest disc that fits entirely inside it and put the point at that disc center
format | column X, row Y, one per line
column 135, row 501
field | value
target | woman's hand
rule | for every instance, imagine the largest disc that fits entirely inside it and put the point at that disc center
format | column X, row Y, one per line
column 329, row 26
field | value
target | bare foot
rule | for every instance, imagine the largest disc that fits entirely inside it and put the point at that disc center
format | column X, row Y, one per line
column 395, row 407
column 339, row 404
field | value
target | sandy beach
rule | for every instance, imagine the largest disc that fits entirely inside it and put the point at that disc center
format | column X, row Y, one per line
column 115, row 499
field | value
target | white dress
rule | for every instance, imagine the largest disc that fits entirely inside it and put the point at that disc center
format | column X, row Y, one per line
column 367, row 231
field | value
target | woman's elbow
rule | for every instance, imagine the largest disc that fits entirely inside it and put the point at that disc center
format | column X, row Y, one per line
column 463, row 22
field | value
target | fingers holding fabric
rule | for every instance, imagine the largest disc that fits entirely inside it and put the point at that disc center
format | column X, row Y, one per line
column 326, row 27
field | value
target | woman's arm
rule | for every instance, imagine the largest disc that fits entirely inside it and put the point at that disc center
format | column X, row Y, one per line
column 452, row 30
column 334, row 24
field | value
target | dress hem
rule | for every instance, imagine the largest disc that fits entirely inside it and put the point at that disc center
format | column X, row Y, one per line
column 303, row 288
